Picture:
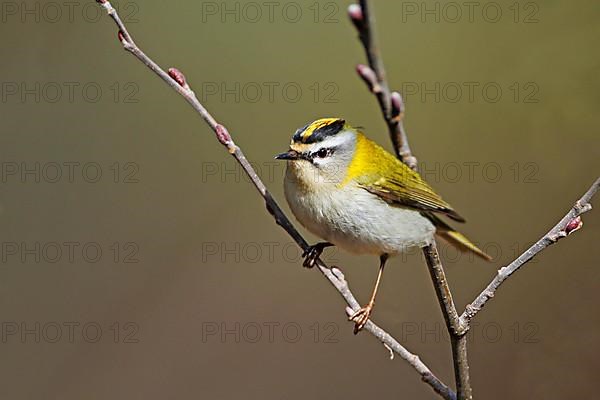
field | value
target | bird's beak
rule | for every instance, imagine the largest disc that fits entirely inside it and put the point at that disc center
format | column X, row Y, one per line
column 288, row 155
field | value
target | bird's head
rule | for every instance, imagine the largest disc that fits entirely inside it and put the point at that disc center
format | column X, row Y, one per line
column 321, row 150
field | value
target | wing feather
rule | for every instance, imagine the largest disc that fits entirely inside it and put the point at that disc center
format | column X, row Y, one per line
column 396, row 183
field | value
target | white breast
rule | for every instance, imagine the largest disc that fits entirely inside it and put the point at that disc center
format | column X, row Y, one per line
column 356, row 220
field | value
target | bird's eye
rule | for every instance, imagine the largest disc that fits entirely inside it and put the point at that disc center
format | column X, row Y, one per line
column 323, row 153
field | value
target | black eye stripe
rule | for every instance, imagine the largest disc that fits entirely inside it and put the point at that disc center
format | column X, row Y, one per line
column 321, row 153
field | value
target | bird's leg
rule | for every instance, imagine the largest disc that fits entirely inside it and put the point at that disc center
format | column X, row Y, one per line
column 361, row 317
column 312, row 253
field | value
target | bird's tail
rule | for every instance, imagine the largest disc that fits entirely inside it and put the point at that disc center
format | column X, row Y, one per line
column 456, row 238
column 461, row 242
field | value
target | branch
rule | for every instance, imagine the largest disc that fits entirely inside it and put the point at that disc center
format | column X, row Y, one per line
column 392, row 108
column 444, row 295
column 458, row 339
column 391, row 103
column 461, row 366
column 177, row 81
column 567, row 225
column 393, row 111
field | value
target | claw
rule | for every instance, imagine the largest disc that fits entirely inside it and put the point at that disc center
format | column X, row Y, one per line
column 361, row 317
column 312, row 254
column 310, row 257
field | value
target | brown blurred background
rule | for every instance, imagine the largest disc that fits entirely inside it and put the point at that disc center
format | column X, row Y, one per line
column 138, row 262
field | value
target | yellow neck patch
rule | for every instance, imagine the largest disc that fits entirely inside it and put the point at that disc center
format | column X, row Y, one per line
column 362, row 161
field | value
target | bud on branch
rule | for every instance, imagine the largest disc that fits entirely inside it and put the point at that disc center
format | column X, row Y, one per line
column 178, row 77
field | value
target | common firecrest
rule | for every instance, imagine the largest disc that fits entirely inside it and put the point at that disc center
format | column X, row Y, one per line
column 349, row 191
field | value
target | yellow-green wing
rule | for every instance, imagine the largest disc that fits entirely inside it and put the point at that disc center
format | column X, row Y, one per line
column 393, row 181
column 384, row 175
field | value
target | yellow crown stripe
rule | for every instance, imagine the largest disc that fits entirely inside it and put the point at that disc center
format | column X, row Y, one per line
column 318, row 124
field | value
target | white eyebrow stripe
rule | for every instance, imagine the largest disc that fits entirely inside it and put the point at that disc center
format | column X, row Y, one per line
column 334, row 141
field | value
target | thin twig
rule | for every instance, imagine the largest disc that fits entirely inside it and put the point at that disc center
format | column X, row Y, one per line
column 391, row 103
column 458, row 327
column 458, row 339
column 567, row 225
column 177, row 81
column 392, row 108
column 461, row 366
column 438, row 277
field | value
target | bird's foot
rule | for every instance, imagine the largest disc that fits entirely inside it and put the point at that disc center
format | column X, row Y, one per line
column 361, row 317
column 312, row 254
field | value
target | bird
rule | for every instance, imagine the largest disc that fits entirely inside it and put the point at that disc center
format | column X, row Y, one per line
column 352, row 193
